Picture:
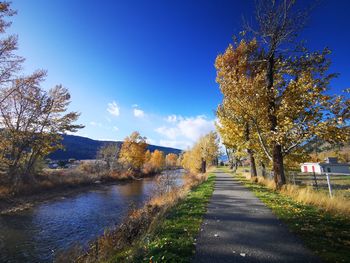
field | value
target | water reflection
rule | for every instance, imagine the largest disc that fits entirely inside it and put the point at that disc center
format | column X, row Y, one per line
column 34, row 235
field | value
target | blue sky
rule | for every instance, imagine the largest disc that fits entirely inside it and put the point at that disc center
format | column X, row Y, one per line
column 149, row 65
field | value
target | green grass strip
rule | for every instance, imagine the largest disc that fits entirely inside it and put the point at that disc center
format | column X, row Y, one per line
column 174, row 238
column 326, row 234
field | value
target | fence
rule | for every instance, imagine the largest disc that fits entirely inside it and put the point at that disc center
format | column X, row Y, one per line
column 325, row 181
column 330, row 182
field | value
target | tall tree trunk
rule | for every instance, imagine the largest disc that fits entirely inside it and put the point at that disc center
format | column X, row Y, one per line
column 263, row 169
column 250, row 152
column 203, row 166
column 253, row 172
column 278, row 167
column 236, row 164
column 277, row 157
column 229, row 158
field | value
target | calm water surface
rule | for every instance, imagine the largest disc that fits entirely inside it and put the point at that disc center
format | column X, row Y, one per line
column 34, row 235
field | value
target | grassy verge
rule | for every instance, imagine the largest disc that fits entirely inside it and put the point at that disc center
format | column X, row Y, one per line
column 327, row 234
column 174, row 237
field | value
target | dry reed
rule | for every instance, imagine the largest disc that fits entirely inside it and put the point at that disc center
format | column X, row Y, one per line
column 307, row 195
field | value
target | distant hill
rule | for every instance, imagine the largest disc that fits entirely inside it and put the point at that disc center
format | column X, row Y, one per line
column 319, row 145
column 82, row 148
column 319, row 150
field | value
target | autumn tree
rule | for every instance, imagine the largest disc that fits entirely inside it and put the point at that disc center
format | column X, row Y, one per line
column 204, row 153
column 239, row 81
column 171, row 160
column 32, row 121
column 191, row 160
column 10, row 63
column 278, row 90
column 179, row 160
column 296, row 83
column 109, row 153
column 132, row 152
column 209, row 149
column 157, row 160
column 148, row 156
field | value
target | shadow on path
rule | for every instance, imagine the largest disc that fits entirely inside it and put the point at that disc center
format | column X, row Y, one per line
column 238, row 227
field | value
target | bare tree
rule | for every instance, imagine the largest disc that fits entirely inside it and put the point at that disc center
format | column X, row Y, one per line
column 109, row 153
column 10, row 63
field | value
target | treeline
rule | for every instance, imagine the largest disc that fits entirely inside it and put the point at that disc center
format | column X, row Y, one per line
column 31, row 118
column 132, row 158
column 276, row 92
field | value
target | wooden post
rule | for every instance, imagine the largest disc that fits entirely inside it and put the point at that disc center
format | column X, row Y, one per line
column 329, row 185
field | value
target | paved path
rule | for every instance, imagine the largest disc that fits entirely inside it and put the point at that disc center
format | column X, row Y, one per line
column 238, row 227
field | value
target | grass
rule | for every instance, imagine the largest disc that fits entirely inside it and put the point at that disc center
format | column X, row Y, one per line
column 49, row 179
column 340, row 184
column 338, row 204
column 325, row 233
column 173, row 240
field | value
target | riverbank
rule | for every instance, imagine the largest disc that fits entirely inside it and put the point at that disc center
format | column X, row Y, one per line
column 324, row 232
column 18, row 203
column 61, row 188
column 164, row 229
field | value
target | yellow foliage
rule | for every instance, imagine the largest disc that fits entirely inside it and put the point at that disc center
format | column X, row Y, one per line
column 157, row 160
column 206, row 148
column 291, row 112
column 132, row 153
column 171, row 160
column 147, row 156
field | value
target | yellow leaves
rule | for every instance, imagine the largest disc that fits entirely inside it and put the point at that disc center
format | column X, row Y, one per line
column 171, row 159
column 132, row 153
column 157, row 160
column 207, row 148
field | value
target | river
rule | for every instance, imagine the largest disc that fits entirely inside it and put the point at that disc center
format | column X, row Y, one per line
column 36, row 234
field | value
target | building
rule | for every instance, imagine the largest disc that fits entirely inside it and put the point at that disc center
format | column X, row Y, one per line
column 330, row 165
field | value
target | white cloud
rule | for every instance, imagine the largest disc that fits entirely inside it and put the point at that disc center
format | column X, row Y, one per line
column 139, row 113
column 115, row 128
column 113, row 108
column 184, row 131
column 93, row 123
column 171, row 118
column 195, row 127
column 170, row 133
column 134, row 105
column 150, row 141
column 175, row 144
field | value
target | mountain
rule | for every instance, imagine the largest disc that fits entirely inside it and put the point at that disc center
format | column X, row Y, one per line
column 82, row 148
column 318, row 145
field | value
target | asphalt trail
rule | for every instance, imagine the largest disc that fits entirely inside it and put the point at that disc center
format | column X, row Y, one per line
column 238, row 227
